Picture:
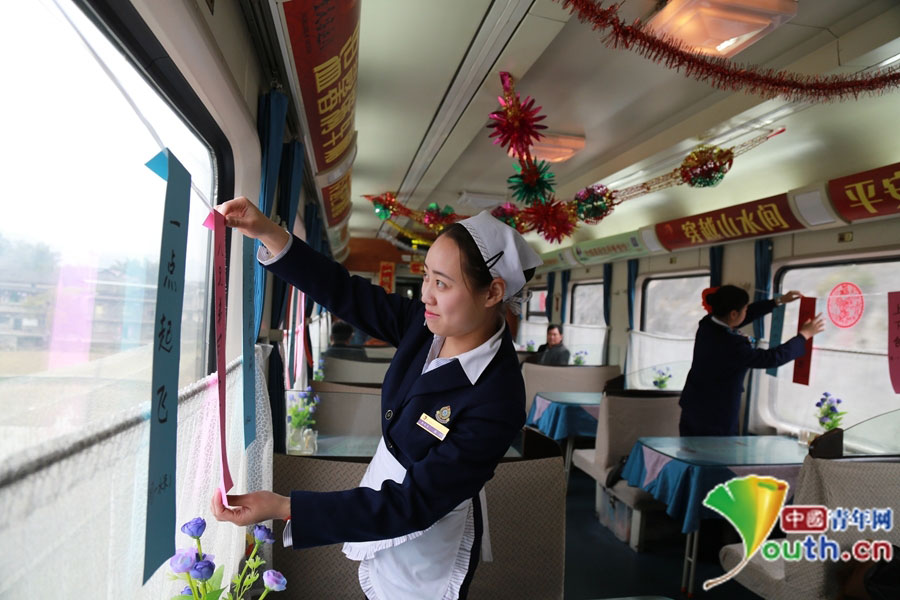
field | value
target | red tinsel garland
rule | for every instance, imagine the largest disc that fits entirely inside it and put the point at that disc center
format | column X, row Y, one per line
column 722, row 73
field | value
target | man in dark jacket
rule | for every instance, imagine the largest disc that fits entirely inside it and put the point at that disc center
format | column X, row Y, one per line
column 553, row 352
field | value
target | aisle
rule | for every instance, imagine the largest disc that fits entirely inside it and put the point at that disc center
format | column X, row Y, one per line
column 600, row 566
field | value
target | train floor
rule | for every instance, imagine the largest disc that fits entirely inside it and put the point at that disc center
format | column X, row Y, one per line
column 600, row 566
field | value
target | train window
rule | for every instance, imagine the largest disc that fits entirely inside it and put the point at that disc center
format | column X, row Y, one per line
column 80, row 235
column 587, row 304
column 850, row 356
column 537, row 306
column 585, row 335
column 672, row 305
column 534, row 326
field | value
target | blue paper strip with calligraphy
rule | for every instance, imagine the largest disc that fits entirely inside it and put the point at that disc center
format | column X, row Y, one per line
column 775, row 334
column 249, row 343
column 159, row 538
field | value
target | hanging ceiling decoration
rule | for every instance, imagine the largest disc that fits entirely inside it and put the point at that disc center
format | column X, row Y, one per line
column 516, row 126
column 722, row 73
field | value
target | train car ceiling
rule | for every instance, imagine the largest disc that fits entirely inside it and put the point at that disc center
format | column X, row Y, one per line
column 427, row 79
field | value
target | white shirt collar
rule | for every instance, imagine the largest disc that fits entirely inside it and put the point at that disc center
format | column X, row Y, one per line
column 473, row 362
column 722, row 323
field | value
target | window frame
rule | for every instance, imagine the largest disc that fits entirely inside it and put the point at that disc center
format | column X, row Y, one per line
column 571, row 292
column 529, row 312
column 126, row 29
column 787, row 266
column 645, row 280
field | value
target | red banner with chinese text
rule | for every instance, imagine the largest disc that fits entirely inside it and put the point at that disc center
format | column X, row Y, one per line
column 802, row 365
column 867, row 195
column 417, row 267
column 324, row 37
column 769, row 216
column 894, row 339
column 386, row 271
column 336, row 200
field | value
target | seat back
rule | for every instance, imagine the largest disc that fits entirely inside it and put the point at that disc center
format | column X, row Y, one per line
column 537, row 445
column 380, row 352
column 322, row 572
column 545, row 378
column 330, row 386
column 339, row 370
column 348, row 413
column 624, row 418
column 526, row 502
column 843, row 483
column 526, row 515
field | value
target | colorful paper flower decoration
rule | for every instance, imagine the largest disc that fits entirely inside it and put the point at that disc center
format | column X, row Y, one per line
column 512, row 215
column 594, row 203
column 516, row 123
column 553, row 219
column 533, row 181
column 706, row 166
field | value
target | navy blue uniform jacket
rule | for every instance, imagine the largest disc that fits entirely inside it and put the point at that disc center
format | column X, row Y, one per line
column 484, row 418
column 711, row 399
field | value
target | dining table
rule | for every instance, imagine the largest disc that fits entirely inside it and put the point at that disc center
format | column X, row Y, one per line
column 565, row 416
column 681, row 471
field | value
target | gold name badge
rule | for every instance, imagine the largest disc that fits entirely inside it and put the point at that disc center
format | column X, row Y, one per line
column 432, row 427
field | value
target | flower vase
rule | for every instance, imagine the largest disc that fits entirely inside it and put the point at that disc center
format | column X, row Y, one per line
column 304, row 440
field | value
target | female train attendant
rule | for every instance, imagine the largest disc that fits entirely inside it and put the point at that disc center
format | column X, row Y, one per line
column 452, row 401
column 711, row 399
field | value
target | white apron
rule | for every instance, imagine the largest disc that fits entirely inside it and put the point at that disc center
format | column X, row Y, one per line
column 424, row 565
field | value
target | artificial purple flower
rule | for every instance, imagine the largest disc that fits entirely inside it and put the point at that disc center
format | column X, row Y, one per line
column 263, row 534
column 303, row 395
column 274, row 580
column 827, row 395
column 183, row 560
column 186, row 591
column 194, row 527
column 823, row 420
column 833, row 408
column 312, row 408
column 818, row 404
column 289, row 418
column 203, row 570
column 317, row 399
column 839, row 400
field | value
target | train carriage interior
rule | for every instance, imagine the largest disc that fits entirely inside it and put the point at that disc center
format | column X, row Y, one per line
column 649, row 151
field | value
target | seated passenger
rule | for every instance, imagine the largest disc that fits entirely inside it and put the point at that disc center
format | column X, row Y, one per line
column 553, row 352
column 340, row 347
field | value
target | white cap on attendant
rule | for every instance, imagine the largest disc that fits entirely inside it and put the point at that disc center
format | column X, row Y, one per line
column 505, row 252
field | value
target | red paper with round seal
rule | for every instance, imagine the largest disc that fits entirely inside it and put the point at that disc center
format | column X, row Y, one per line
column 845, row 304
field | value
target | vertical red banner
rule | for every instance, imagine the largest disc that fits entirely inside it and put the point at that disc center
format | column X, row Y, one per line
column 802, row 364
column 386, row 272
column 894, row 339
column 218, row 227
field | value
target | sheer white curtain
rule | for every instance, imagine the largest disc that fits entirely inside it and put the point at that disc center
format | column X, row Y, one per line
column 73, row 515
column 646, row 350
column 588, row 338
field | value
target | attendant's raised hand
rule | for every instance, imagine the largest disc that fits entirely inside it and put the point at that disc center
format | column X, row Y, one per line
column 813, row 326
column 790, row 297
column 244, row 216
